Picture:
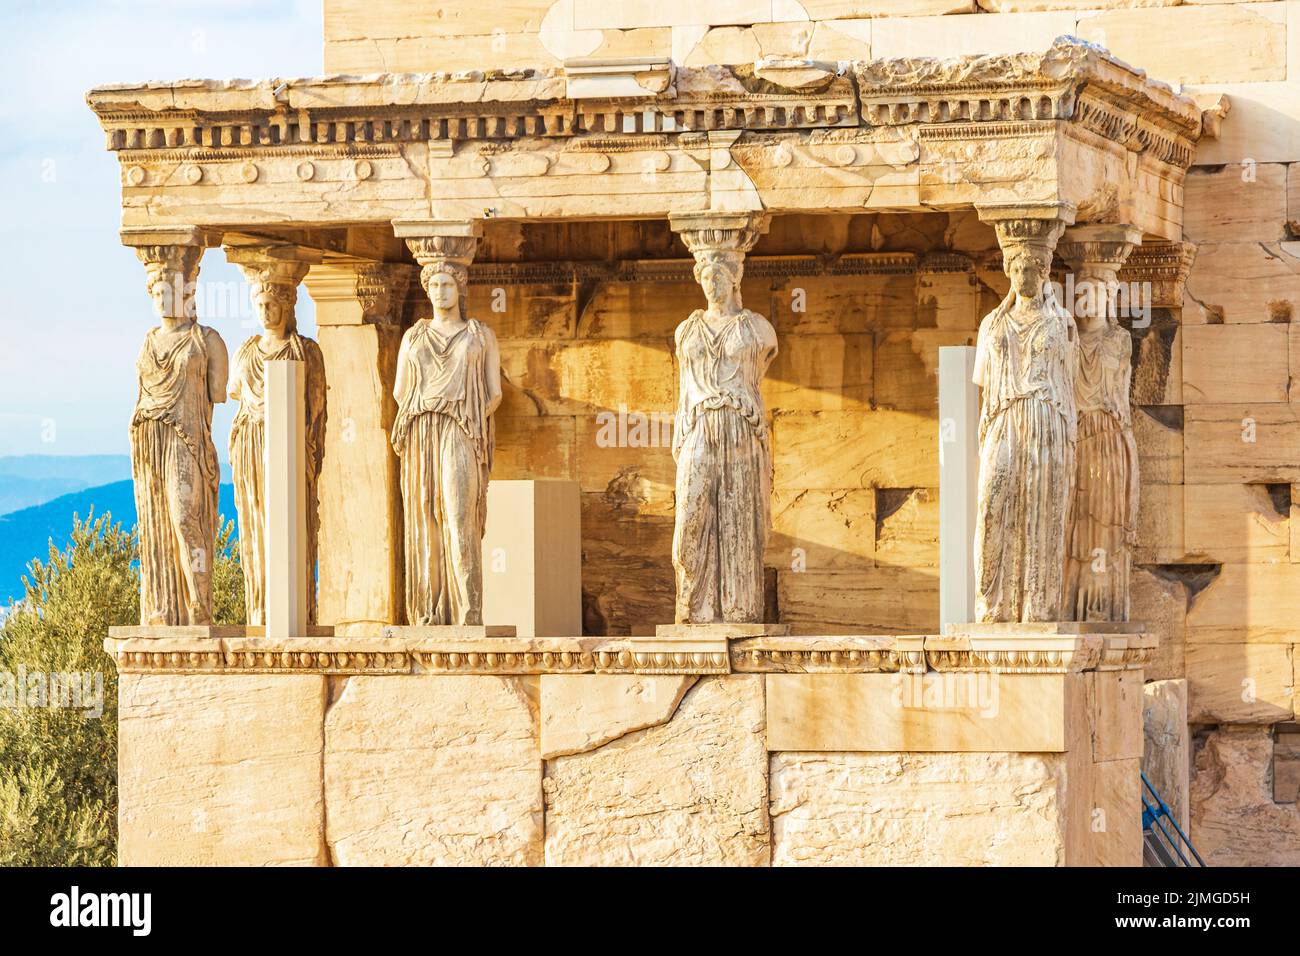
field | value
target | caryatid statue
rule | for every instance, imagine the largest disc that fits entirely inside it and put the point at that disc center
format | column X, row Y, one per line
column 273, row 285
column 1024, row 364
column 447, row 386
column 721, row 441
column 182, row 373
column 1103, row 514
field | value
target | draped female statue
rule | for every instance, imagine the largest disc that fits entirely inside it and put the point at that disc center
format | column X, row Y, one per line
column 721, row 442
column 275, row 292
column 448, row 385
column 1103, row 513
column 182, row 372
column 1024, row 362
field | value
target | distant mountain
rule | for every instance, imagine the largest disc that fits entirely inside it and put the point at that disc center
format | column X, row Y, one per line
column 28, row 480
column 26, row 534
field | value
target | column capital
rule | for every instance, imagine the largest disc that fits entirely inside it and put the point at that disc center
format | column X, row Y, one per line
column 276, row 268
column 440, row 241
column 1164, row 266
column 1034, row 227
column 1098, row 246
column 719, row 233
column 359, row 291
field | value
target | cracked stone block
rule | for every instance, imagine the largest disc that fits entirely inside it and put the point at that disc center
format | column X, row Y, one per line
column 688, row 792
column 583, row 712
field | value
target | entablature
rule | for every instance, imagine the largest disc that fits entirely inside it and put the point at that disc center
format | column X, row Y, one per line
column 1072, row 124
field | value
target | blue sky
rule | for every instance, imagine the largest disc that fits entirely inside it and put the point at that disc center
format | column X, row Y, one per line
column 76, row 308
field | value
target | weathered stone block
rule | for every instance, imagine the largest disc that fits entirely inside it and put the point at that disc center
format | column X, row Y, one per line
column 1159, row 601
column 880, row 600
column 1239, row 202
column 434, row 771
column 537, row 447
column 836, row 450
column 1240, row 683
column 1160, row 530
column 583, row 712
column 818, row 530
column 1247, row 602
column 932, row 712
column 941, row 809
column 907, row 527
column 220, row 770
column 1237, row 523
column 1158, row 432
column 814, row 373
column 1235, row 363
column 627, row 572
column 1234, row 819
column 1262, row 126
column 960, row 36
column 689, row 792
column 1166, row 757
column 1227, row 444
column 1243, row 283
column 1240, row 42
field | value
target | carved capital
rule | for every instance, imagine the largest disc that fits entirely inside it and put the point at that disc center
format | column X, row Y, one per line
column 1164, row 265
column 1098, row 249
column 711, row 235
column 359, row 292
column 1028, row 227
column 171, row 258
column 441, row 246
column 273, row 269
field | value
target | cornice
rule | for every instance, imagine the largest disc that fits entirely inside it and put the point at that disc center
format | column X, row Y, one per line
column 968, row 97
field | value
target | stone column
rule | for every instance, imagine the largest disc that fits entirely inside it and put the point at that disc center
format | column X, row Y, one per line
column 358, row 316
column 1024, row 364
column 1103, row 516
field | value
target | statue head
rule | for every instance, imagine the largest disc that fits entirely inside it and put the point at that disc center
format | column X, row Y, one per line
column 719, row 276
column 446, row 282
column 274, row 304
column 1028, row 267
column 172, row 273
column 273, row 289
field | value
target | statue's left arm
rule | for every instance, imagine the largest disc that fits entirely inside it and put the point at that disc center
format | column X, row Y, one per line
column 492, row 371
column 767, row 339
column 316, row 403
column 218, row 366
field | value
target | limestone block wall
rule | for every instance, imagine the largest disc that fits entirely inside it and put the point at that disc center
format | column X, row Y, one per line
column 323, row 769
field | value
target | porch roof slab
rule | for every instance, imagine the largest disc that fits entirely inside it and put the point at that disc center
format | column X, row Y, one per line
column 648, row 139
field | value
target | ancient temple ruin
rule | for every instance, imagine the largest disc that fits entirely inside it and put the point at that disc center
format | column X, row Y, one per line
column 873, row 212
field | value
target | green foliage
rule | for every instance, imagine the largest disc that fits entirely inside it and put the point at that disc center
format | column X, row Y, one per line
column 227, row 579
column 58, row 765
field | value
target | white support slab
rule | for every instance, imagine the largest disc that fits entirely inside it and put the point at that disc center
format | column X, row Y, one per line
column 285, row 469
column 959, row 401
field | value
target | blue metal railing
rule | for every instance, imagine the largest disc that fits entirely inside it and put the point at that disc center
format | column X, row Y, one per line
column 1164, row 842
